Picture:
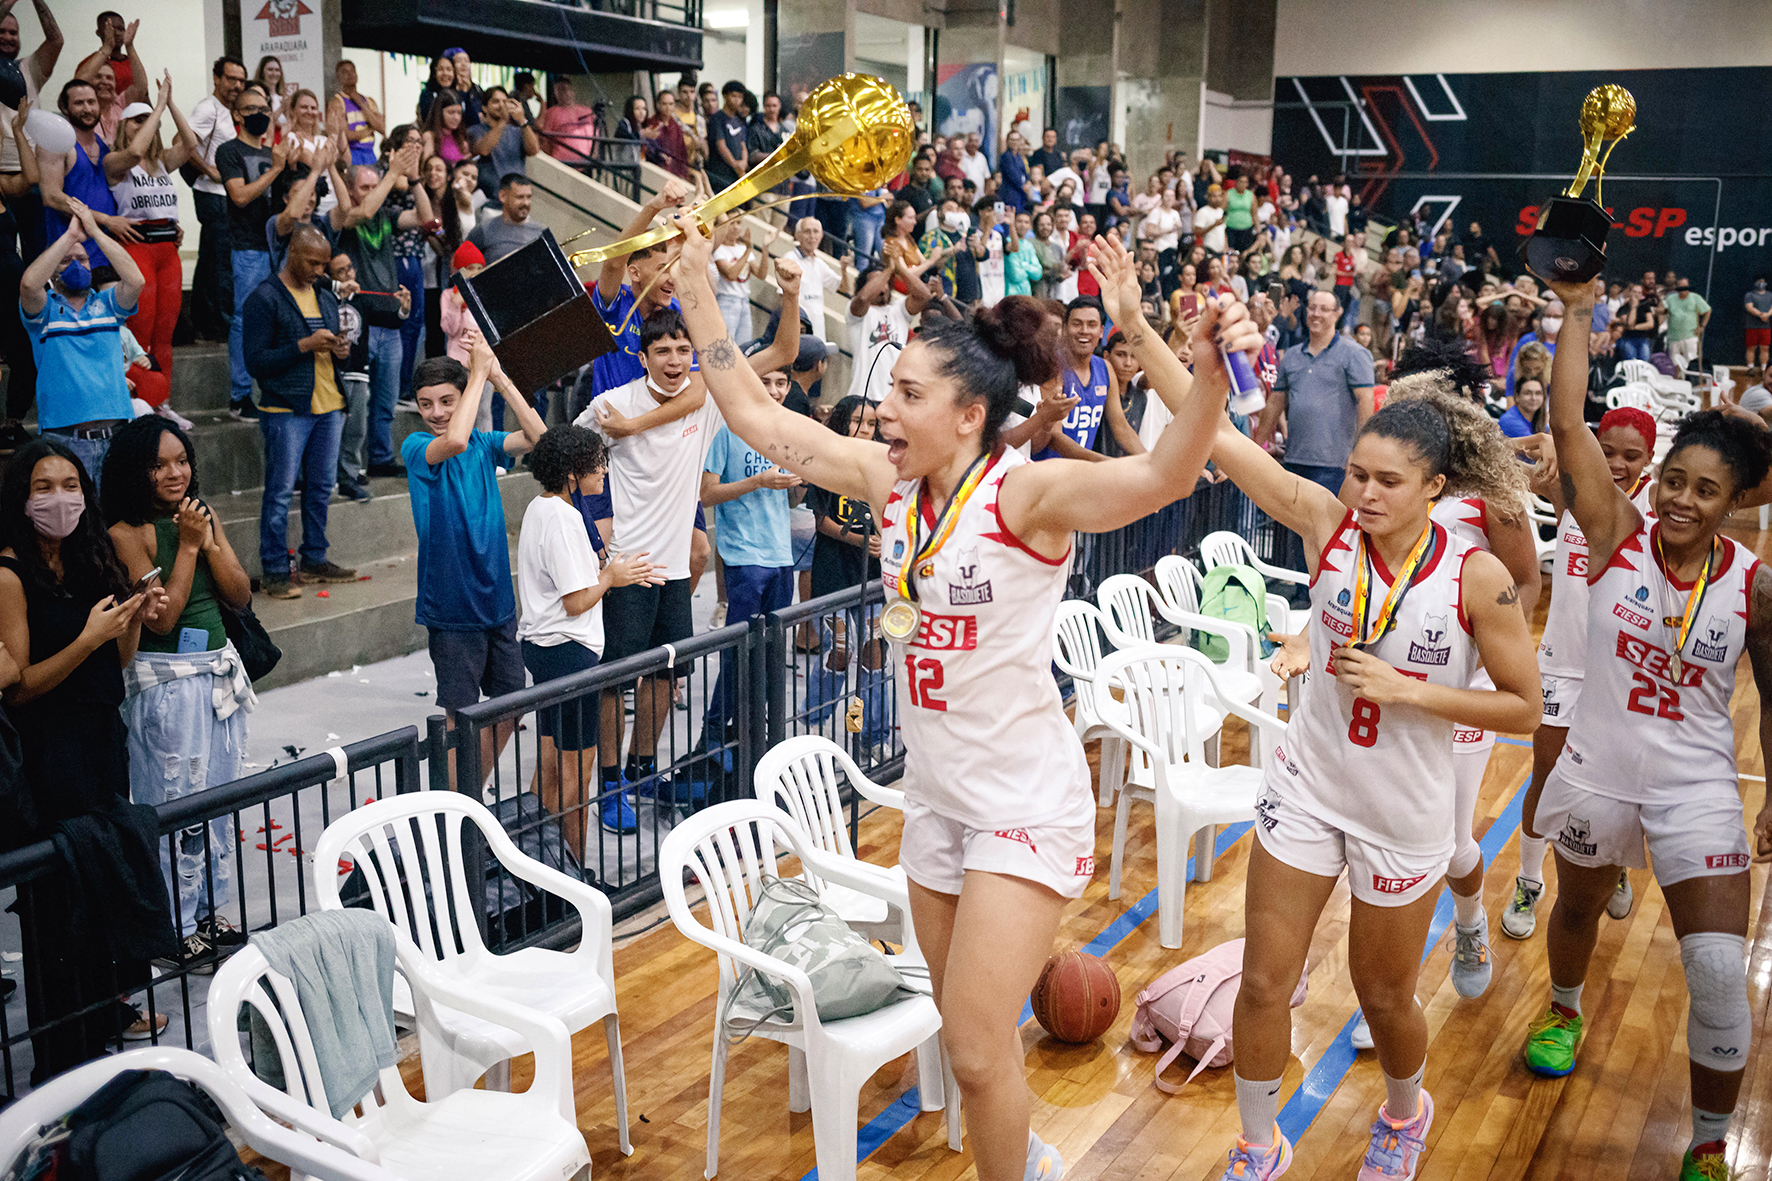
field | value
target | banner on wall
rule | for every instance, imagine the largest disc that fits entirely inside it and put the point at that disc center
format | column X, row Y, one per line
column 290, row 31
column 966, row 103
column 1689, row 190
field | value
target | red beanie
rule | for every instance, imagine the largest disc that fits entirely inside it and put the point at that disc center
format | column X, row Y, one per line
column 467, row 255
column 1631, row 419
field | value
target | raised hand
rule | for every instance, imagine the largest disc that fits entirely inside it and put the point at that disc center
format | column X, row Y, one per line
column 697, row 249
column 788, row 274
column 1223, row 323
column 193, row 524
column 1116, row 271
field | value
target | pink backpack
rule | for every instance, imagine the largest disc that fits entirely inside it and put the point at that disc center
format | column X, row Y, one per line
column 1190, row 1007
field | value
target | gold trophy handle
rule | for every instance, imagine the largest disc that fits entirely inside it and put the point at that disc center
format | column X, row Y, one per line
column 1590, row 160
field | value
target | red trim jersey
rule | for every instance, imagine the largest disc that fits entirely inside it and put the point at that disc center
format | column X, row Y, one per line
column 1642, row 734
column 1467, row 519
column 1380, row 773
column 986, row 739
column 1564, row 644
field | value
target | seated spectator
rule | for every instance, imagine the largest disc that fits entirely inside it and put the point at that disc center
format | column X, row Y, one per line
column 81, row 394
column 562, row 587
column 511, row 230
column 293, row 328
column 143, row 381
column 186, row 694
column 456, row 321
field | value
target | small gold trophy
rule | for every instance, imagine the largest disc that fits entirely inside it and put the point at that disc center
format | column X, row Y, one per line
column 1569, row 243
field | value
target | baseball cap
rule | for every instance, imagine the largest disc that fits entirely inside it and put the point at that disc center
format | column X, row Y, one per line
column 134, row 109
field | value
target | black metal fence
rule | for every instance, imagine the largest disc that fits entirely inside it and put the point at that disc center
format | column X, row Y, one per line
column 715, row 703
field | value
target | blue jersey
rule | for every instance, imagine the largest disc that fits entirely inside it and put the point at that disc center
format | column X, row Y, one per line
column 1084, row 420
column 612, row 370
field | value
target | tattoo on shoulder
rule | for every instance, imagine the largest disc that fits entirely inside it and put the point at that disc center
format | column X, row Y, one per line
column 1760, row 605
column 1508, row 597
column 721, row 355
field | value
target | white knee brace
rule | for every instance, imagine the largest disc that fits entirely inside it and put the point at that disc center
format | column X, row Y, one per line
column 1719, row 1026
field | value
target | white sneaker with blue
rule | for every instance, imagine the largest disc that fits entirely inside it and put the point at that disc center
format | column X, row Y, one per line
column 1362, row 1035
column 1044, row 1163
column 1471, row 968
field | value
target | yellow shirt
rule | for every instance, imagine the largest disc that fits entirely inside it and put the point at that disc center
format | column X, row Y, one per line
column 326, row 395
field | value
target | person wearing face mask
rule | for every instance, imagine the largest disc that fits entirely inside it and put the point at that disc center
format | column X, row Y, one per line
column 1759, row 324
column 1550, row 322
column 81, row 394
column 69, row 617
column 249, row 166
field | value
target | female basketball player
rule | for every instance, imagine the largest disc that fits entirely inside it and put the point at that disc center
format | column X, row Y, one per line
column 999, row 824
column 1672, row 605
column 1627, row 439
column 1401, row 612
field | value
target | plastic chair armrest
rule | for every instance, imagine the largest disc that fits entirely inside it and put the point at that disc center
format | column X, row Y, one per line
column 1239, row 637
column 593, row 907
column 805, row 1007
column 1298, row 577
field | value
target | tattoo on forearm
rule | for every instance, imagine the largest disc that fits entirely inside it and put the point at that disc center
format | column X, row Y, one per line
column 720, row 356
column 1508, row 597
column 789, row 457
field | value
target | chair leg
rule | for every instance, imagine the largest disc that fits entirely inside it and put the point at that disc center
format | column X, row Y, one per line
column 1204, row 842
column 951, row 1088
column 1212, row 749
column 618, row 1080
column 716, row 1083
column 498, row 1076
column 836, row 1105
column 931, row 1087
column 1119, row 849
column 1171, row 880
column 1113, row 770
column 799, row 1092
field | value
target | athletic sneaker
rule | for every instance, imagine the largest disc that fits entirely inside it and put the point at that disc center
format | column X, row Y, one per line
column 1044, row 1163
column 1362, row 1035
column 1520, row 918
column 1707, row 1162
column 1254, row 1162
column 1396, row 1148
column 619, row 815
column 1551, row 1041
column 1619, row 906
column 1470, row 958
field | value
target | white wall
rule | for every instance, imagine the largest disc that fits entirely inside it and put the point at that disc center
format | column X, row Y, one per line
column 1231, row 125
column 1503, row 36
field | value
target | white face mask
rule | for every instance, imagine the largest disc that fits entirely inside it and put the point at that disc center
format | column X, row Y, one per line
column 1552, row 325
column 664, row 393
column 956, row 221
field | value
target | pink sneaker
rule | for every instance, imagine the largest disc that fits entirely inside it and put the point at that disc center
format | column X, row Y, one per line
column 1396, row 1148
column 1254, row 1162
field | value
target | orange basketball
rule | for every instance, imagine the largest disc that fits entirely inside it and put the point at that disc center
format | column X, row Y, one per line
column 1076, row 998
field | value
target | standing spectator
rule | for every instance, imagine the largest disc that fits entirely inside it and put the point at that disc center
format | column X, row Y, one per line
column 1047, row 156
column 140, row 171
column 79, row 173
column 22, row 80
column 15, row 342
column 212, row 122
column 1021, row 264
column 1055, row 266
column 766, row 131
column 473, row 99
column 570, row 128
column 116, row 40
column 1209, row 229
column 248, row 168
column 511, row 230
column 1019, row 192
column 269, row 77
column 504, row 140
column 1324, row 393
column 1161, row 227
column 880, row 326
column 118, row 81
column 923, row 189
column 352, row 371
column 736, row 262
column 1687, row 317
column 1239, row 214
column 442, row 78
column 668, row 143
column 186, row 692
column 1335, row 207
column 293, row 326
column 562, row 586
column 362, row 119
column 524, row 92
column 409, row 240
column 81, row 395
column 728, row 151
column 816, row 276
column 987, row 249
column 974, row 164
column 445, row 131
column 1759, row 324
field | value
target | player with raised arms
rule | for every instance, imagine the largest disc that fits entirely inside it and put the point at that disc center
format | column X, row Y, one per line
column 1401, row 612
column 999, row 818
column 1672, row 606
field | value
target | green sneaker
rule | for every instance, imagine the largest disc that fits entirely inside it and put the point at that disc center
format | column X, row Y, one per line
column 1707, row 1165
column 1551, row 1041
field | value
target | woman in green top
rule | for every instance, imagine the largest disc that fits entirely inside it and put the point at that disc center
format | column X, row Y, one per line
column 186, row 692
column 1239, row 214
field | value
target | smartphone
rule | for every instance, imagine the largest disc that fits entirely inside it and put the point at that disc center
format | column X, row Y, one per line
column 141, row 584
column 1190, row 304
column 999, row 209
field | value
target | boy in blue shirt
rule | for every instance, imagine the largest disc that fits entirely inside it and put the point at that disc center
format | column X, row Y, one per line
column 465, row 599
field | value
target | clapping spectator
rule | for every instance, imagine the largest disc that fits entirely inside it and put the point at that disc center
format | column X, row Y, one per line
column 249, row 166
column 78, row 174
column 504, row 140
column 362, row 119
column 269, row 76
column 570, row 127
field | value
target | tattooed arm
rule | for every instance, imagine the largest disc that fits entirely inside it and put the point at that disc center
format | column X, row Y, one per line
column 1759, row 653
column 1603, row 511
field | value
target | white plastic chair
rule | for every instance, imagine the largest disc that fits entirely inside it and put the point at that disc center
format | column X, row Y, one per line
column 730, row 848
column 1644, row 374
column 1630, row 394
column 1076, row 650
column 22, row 1122
column 1166, row 694
column 1722, row 383
column 1541, row 512
column 1180, row 583
column 1127, row 606
column 469, row 1134
column 576, row 988
column 1226, row 548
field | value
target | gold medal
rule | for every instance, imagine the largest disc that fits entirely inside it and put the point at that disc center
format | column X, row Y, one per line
column 1675, row 666
column 902, row 617
column 1694, row 600
column 900, row 620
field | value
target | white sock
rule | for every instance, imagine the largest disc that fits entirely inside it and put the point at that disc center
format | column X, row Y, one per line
column 1708, row 1126
column 1259, row 1104
column 1466, row 912
column 1532, row 857
column 1403, row 1095
column 1569, row 998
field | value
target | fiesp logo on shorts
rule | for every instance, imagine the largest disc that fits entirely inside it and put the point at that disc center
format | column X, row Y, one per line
column 1397, row 885
column 947, row 633
column 1018, row 834
column 1726, row 861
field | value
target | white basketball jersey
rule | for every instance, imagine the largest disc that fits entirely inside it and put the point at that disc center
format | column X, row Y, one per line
column 986, row 739
column 1380, row 773
column 1466, row 518
column 1642, row 734
column 1563, row 646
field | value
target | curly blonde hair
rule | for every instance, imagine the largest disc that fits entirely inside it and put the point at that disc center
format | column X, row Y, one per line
column 1456, row 438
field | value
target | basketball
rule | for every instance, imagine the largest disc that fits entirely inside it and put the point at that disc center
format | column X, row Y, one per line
column 1076, row 998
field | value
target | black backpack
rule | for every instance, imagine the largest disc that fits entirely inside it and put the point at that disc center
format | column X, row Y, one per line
column 148, row 1125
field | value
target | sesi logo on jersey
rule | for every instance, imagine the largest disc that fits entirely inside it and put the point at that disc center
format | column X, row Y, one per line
column 947, row 633
column 1018, row 834
column 1577, row 567
column 1654, row 661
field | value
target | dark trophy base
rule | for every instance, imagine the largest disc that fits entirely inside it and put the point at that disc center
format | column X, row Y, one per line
column 534, row 311
column 1569, row 245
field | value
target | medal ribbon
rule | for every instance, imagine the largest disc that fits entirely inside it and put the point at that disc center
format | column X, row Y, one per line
column 1695, row 596
column 1393, row 599
column 944, row 524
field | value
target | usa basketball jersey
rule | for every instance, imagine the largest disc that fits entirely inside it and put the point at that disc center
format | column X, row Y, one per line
column 1642, row 734
column 1380, row 773
column 986, row 739
column 1085, row 417
column 1466, row 518
column 1564, row 644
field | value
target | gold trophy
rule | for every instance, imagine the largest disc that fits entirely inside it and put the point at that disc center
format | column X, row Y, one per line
column 1569, row 242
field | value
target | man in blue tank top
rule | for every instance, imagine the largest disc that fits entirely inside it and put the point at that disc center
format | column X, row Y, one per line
column 80, row 172
column 1087, row 378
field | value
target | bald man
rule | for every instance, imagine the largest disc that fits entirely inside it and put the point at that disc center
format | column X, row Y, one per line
column 817, row 275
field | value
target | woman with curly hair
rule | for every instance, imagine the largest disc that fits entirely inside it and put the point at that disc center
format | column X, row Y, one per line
column 1402, row 611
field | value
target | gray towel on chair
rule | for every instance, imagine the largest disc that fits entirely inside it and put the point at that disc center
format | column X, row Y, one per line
column 342, row 965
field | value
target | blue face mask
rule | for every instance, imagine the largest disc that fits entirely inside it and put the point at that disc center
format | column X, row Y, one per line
column 76, row 276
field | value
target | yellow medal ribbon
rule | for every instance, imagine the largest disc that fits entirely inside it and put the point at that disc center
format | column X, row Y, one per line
column 944, row 524
column 1393, row 599
column 1694, row 597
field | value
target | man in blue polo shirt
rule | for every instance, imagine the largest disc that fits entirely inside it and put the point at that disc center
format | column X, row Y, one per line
column 81, row 394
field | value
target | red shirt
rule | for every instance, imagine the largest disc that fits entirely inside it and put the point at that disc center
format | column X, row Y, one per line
column 1086, row 284
column 1344, row 269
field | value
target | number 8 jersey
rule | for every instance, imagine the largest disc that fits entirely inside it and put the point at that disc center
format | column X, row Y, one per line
column 986, row 739
column 1380, row 773
column 1643, row 735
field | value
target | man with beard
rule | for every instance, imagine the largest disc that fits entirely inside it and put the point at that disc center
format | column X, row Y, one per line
column 18, row 80
column 80, row 172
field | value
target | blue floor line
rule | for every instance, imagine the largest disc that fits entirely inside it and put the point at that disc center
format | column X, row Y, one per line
column 907, row 1106
column 1327, row 1073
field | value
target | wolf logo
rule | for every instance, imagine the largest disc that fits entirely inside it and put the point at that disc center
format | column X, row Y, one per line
column 1577, row 837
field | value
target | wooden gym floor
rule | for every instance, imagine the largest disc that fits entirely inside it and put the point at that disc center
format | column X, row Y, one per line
column 1622, row 1114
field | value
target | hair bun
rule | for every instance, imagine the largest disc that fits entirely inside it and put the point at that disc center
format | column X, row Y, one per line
column 1019, row 330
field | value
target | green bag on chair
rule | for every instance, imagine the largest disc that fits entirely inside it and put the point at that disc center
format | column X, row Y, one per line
column 1235, row 594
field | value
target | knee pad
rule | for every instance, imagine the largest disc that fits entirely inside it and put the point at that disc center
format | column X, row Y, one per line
column 1464, row 858
column 1719, row 1026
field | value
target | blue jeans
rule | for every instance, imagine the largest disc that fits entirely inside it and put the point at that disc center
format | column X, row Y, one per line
column 750, row 591
column 251, row 267
column 385, row 349
column 1292, row 555
column 412, row 333
column 864, row 232
column 827, row 689
column 90, row 452
column 294, row 442
column 1634, row 348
